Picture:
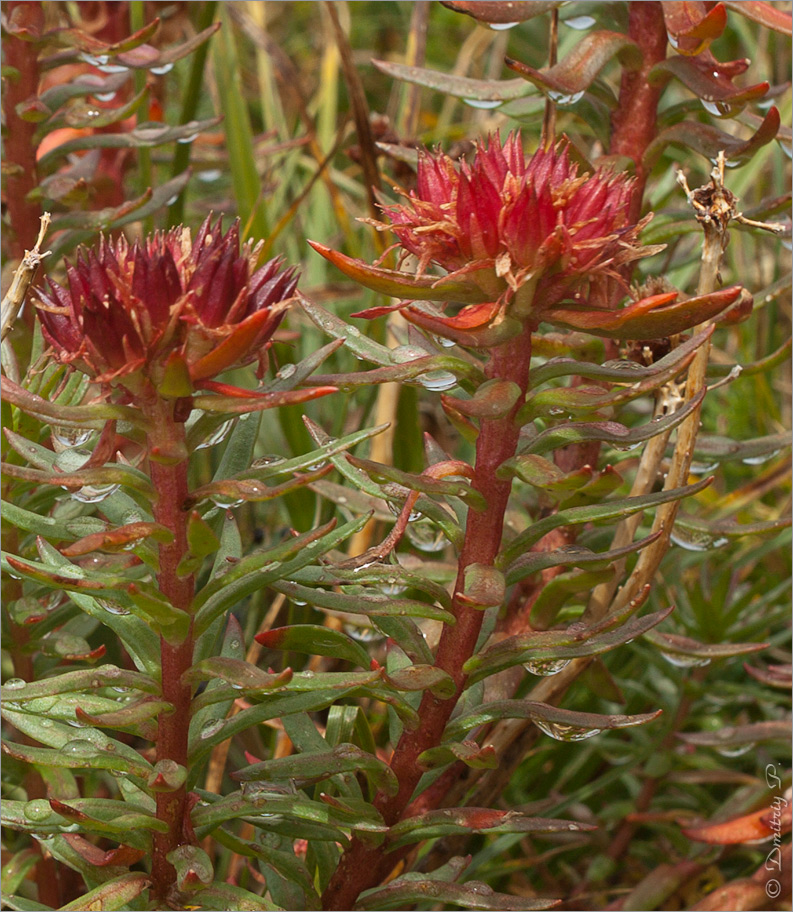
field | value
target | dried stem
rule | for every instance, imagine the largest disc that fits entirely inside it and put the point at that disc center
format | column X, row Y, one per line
column 362, row 867
column 14, row 298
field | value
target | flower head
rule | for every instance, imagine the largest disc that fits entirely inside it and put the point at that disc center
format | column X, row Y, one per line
column 518, row 239
column 506, row 221
column 169, row 306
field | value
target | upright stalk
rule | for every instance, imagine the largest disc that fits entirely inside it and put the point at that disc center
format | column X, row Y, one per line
column 634, row 122
column 361, row 866
column 170, row 481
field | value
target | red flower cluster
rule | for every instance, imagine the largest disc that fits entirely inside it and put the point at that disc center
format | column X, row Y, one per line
column 521, row 240
column 167, row 307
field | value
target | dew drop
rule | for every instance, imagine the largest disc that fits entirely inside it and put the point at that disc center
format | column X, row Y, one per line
column 94, row 493
column 112, row 607
column 14, row 683
column 224, row 502
column 286, row 372
column 696, row 539
column 186, row 140
column 737, row 750
column 760, row 458
column 270, row 459
column 113, row 68
column 502, row 26
column 437, row 381
column 362, row 634
column 556, row 410
column 211, row 727
column 209, row 176
column 396, row 509
column 579, row 23
column 79, row 749
column 37, row 810
column 546, row 669
column 685, row 661
column 561, row 99
column 392, row 587
column 444, row 342
column 161, row 70
column 482, row 103
column 425, row 537
column 216, row 436
column 105, row 96
column 64, row 438
column 562, row 732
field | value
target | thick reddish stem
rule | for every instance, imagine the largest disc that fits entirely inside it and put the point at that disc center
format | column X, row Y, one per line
column 633, row 123
column 20, row 152
column 362, row 867
column 170, row 482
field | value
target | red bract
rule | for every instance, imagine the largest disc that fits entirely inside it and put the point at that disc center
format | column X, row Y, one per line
column 169, row 309
column 517, row 239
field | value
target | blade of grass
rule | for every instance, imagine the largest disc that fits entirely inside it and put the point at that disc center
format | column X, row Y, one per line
column 190, row 100
column 239, row 133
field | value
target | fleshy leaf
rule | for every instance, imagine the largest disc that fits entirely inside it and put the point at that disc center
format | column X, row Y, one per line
column 407, row 890
column 553, row 645
column 651, row 318
column 768, row 15
column 456, row 86
column 599, row 512
column 455, row 821
column 311, row 639
column 240, row 674
column 691, row 26
column 571, row 77
column 562, row 724
column 402, row 284
column 501, row 12
column 112, row 894
column 709, row 141
column 308, row 768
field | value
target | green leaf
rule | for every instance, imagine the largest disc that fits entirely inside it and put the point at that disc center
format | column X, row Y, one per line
column 78, row 754
column 556, row 645
column 193, row 867
column 422, row 483
column 407, row 890
column 228, row 896
column 609, row 431
column 622, row 371
column 612, row 510
column 142, row 136
column 571, row 556
column 691, row 652
column 265, row 567
column 113, row 894
column 238, row 132
column 80, row 680
column 240, row 674
column 456, row 821
column 456, row 86
column 471, row 754
column 308, row 768
column 311, row 639
column 561, row 724
column 370, row 605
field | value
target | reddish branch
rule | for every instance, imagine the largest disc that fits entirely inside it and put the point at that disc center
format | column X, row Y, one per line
column 20, row 176
column 361, row 866
column 633, row 123
column 170, row 482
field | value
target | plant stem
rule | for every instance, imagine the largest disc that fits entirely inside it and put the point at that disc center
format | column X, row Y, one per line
column 634, row 121
column 362, row 867
column 170, row 481
column 20, row 152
